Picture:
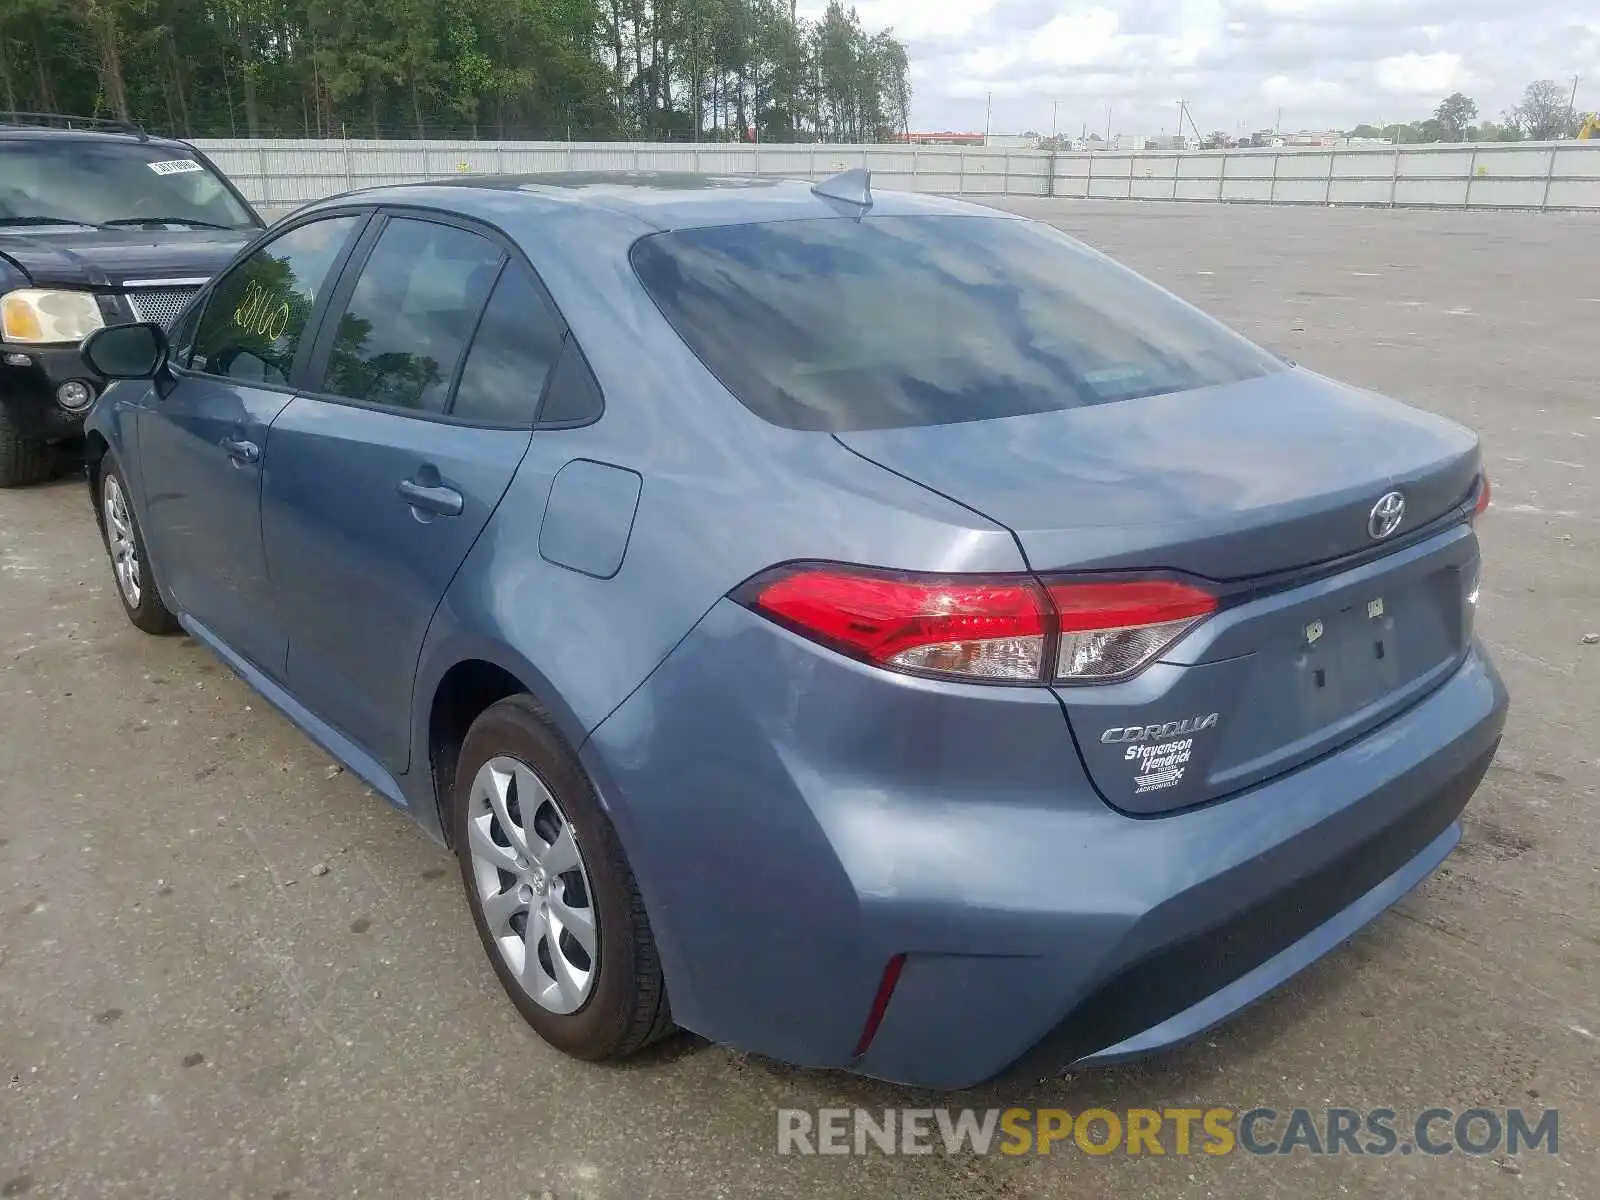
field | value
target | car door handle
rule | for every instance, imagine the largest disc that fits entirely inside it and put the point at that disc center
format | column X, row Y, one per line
column 242, row 451
column 443, row 501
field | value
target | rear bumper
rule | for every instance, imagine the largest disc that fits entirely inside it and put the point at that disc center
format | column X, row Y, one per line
column 795, row 820
column 1255, row 983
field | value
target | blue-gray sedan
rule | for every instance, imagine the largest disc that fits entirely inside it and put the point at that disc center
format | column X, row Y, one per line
column 868, row 630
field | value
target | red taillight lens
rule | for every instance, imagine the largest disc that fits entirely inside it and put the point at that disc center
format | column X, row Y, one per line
column 972, row 627
column 1110, row 630
column 1003, row 629
column 1482, row 505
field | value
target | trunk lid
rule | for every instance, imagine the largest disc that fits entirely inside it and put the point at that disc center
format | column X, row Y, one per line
column 1261, row 487
column 1229, row 482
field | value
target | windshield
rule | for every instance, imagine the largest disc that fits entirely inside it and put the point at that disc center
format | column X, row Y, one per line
column 901, row 321
column 86, row 182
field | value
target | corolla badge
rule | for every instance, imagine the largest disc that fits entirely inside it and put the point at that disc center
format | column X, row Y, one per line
column 1159, row 733
column 1386, row 516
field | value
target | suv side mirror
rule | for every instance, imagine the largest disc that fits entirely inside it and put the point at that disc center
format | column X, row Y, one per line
column 127, row 351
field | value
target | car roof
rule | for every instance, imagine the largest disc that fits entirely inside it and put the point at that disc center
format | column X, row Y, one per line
column 45, row 133
column 663, row 200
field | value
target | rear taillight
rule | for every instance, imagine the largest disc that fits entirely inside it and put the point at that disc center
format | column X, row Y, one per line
column 1482, row 504
column 971, row 627
column 997, row 629
column 1110, row 630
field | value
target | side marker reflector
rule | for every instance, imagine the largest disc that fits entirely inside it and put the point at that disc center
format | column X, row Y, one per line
column 880, row 1002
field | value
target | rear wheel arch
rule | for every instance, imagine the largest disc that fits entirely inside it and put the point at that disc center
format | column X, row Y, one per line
column 463, row 693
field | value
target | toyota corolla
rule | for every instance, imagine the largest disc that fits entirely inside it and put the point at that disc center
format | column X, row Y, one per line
column 873, row 631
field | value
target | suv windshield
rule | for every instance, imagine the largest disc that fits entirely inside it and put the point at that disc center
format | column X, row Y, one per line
column 837, row 325
column 90, row 182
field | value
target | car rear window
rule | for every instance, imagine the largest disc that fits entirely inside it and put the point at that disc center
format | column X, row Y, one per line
column 839, row 325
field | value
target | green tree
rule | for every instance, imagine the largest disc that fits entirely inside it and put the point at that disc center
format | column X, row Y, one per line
column 1454, row 116
column 499, row 68
column 1491, row 131
column 1545, row 112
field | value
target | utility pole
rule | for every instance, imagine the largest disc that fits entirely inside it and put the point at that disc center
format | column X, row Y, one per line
column 1055, row 119
column 1572, row 104
column 1108, row 127
column 988, row 120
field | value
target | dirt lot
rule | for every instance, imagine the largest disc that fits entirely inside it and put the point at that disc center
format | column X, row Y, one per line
column 190, row 1006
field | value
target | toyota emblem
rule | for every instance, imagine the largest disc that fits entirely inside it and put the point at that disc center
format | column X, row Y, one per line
column 1386, row 516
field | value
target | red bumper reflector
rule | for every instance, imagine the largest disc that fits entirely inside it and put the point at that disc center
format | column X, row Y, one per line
column 880, row 1002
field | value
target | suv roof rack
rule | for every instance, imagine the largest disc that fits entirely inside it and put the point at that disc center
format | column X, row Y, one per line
column 38, row 120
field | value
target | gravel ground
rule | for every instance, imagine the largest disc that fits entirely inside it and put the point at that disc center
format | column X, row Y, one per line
column 191, row 1007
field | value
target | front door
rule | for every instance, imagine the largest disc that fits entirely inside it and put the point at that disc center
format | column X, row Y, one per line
column 202, row 445
column 378, row 484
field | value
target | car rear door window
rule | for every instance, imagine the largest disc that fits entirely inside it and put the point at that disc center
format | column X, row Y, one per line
column 574, row 396
column 400, row 336
column 835, row 324
column 257, row 313
column 518, row 340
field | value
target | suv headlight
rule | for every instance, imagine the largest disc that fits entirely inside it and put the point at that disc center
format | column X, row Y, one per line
column 43, row 316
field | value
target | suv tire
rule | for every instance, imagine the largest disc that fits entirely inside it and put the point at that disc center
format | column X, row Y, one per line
column 23, row 460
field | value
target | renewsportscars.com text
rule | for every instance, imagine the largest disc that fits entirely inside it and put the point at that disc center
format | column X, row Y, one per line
column 1377, row 1132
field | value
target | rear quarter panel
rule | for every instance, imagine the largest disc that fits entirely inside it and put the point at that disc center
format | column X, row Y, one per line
column 722, row 495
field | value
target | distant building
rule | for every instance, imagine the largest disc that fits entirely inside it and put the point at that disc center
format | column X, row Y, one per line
column 1140, row 141
column 1012, row 141
column 1307, row 138
column 942, row 139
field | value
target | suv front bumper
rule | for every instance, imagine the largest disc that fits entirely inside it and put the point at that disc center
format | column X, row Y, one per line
column 29, row 392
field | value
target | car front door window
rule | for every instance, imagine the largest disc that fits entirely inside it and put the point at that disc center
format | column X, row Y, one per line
column 253, row 324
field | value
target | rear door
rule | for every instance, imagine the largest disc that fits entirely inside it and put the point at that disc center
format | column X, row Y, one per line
column 383, row 475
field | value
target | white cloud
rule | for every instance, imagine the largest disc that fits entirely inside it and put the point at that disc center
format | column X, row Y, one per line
column 1299, row 91
column 1077, row 39
column 1420, row 74
column 914, row 19
column 1326, row 63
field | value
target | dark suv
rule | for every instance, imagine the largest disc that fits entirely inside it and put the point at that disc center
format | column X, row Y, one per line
column 99, row 224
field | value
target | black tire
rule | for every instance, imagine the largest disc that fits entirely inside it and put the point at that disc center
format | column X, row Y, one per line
column 627, row 1008
column 150, row 613
column 23, row 460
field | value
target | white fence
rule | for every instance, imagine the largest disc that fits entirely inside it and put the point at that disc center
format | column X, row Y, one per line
column 281, row 174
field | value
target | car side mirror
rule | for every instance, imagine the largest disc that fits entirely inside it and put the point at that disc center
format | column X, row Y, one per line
column 127, row 351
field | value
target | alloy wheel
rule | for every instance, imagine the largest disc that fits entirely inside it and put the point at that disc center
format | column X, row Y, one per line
column 120, row 541
column 532, row 885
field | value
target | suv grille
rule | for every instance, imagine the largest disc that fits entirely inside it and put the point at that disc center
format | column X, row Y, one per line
column 161, row 305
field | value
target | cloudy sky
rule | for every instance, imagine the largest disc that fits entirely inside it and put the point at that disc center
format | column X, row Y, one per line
column 1325, row 63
